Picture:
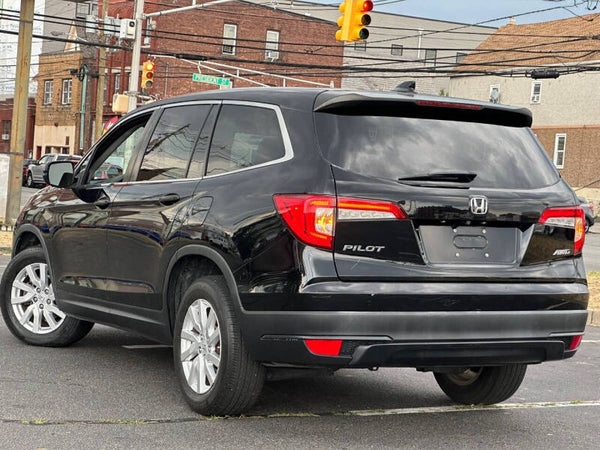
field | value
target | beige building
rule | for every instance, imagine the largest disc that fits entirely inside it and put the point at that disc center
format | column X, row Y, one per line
column 566, row 110
column 58, row 105
column 405, row 43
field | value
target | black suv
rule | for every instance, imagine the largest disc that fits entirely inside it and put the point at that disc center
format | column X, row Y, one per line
column 268, row 232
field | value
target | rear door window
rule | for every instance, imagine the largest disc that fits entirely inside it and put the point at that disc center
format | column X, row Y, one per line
column 173, row 140
column 244, row 136
column 400, row 147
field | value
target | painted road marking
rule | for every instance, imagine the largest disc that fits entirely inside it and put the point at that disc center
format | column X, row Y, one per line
column 144, row 347
column 360, row 413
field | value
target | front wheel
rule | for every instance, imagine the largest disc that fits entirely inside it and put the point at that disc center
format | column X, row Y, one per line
column 216, row 374
column 30, row 182
column 587, row 225
column 29, row 307
column 482, row 385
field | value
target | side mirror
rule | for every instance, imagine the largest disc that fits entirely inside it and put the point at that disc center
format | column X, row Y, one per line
column 59, row 174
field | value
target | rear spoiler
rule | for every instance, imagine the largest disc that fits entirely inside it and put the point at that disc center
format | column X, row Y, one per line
column 423, row 107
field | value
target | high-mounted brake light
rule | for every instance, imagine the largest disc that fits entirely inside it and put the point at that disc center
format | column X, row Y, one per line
column 569, row 217
column 437, row 104
column 312, row 217
column 324, row 347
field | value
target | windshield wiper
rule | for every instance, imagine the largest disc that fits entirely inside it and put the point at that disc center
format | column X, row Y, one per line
column 442, row 177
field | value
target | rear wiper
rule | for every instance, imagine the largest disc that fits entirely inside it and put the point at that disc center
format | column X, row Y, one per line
column 452, row 177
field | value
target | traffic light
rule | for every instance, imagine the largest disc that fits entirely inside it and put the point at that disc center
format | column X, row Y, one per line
column 147, row 74
column 354, row 20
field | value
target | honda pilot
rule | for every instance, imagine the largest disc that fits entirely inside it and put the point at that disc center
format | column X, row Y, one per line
column 267, row 233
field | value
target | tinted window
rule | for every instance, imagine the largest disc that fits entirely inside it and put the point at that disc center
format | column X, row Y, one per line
column 244, row 136
column 118, row 154
column 170, row 147
column 398, row 147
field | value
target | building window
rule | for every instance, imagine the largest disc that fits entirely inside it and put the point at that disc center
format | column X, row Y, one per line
column 495, row 93
column 430, row 57
column 82, row 10
column 48, row 92
column 6, row 130
column 105, row 92
column 397, row 49
column 560, row 146
column 117, row 83
column 67, row 85
column 229, row 36
column 536, row 92
column 272, row 45
column 459, row 57
column 360, row 46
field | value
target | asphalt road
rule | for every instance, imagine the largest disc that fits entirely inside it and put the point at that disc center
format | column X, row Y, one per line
column 99, row 393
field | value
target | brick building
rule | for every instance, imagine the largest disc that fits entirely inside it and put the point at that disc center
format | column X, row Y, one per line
column 6, row 110
column 566, row 110
column 239, row 34
column 58, row 124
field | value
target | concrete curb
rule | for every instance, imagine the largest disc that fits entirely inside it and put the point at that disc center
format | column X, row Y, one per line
column 593, row 317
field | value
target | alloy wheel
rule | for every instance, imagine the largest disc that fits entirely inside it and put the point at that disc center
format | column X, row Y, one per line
column 200, row 346
column 32, row 300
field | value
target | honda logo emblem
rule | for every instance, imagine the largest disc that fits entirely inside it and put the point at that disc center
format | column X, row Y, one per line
column 478, row 204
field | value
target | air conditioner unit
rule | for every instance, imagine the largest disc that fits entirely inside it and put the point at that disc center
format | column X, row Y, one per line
column 272, row 55
column 6, row 137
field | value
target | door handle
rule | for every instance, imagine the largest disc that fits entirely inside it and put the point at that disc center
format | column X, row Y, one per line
column 102, row 202
column 169, row 199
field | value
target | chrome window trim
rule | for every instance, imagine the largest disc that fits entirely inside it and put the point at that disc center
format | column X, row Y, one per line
column 287, row 142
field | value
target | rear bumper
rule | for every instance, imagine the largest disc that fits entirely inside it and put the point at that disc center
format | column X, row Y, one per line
column 413, row 339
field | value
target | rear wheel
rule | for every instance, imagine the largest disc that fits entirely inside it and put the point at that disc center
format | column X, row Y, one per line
column 482, row 385
column 30, row 182
column 587, row 225
column 216, row 374
column 29, row 306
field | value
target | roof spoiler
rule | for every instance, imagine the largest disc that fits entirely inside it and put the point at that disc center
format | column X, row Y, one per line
column 438, row 108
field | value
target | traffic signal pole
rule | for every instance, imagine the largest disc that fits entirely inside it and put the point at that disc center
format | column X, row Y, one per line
column 19, row 116
column 134, row 76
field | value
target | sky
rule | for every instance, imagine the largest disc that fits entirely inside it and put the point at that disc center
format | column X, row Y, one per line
column 474, row 11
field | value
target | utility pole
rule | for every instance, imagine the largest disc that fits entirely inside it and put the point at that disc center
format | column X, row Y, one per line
column 101, row 76
column 134, row 76
column 19, row 115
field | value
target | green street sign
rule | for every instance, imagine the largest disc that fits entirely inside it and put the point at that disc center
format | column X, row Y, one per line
column 202, row 78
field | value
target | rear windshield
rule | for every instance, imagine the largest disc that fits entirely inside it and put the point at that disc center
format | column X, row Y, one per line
column 400, row 147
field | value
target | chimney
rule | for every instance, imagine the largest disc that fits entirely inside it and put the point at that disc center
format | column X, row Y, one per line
column 511, row 21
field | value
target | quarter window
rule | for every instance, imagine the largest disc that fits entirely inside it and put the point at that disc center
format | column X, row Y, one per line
column 536, row 92
column 47, row 92
column 229, row 37
column 67, row 85
column 560, row 147
column 171, row 145
column 244, row 136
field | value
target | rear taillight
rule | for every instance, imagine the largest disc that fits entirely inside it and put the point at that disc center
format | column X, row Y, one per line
column 312, row 217
column 570, row 217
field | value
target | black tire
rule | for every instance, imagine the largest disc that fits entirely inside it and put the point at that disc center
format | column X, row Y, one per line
column 30, row 182
column 239, row 379
column 587, row 225
column 482, row 386
column 69, row 331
